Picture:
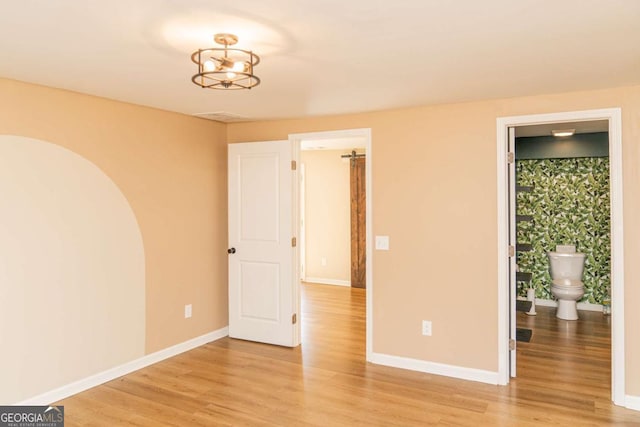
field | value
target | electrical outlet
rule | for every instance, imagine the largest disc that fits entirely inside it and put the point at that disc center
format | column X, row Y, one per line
column 187, row 311
column 426, row 327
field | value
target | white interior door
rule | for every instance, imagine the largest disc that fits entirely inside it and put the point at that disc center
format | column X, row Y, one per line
column 511, row 188
column 261, row 254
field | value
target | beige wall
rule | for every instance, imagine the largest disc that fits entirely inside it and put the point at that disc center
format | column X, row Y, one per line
column 327, row 215
column 434, row 193
column 171, row 169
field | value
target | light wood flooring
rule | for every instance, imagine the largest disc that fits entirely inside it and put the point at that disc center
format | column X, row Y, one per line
column 563, row 380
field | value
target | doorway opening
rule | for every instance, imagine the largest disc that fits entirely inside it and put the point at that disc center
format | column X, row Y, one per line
column 507, row 218
column 332, row 212
column 335, row 244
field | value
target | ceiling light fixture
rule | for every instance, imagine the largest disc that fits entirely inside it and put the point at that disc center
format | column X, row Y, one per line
column 225, row 67
column 563, row 132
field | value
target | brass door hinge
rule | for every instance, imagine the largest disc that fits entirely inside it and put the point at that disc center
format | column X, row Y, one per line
column 512, row 251
column 294, row 319
column 294, row 242
column 294, row 166
column 511, row 157
column 512, row 344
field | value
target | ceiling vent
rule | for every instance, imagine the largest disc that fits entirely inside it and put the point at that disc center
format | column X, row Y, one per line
column 222, row 116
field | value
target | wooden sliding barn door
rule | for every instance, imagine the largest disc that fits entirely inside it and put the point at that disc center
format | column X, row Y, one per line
column 358, row 223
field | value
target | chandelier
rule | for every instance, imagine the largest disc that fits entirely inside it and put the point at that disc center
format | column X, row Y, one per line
column 225, row 67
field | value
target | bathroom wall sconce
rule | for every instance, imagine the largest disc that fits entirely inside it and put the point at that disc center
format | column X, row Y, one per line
column 563, row 132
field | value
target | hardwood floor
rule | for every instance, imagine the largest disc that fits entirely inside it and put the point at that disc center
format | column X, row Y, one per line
column 563, row 380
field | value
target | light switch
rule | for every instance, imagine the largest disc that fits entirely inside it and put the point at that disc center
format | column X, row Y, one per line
column 382, row 243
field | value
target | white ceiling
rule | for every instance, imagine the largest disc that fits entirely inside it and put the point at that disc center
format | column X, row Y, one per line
column 323, row 57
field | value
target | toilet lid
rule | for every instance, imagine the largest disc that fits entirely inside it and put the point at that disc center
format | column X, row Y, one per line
column 567, row 283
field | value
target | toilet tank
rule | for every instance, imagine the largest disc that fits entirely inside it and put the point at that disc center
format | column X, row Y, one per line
column 566, row 265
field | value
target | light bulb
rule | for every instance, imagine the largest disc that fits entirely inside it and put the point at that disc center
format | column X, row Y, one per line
column 209, row 65
column 563, row 132
column 231, row 75
column 238, row 66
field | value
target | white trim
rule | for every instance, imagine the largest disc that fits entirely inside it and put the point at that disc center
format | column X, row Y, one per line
column 504, row 308
column 369, row 248
column 617, row 258
column 296, row 274
column 302, row 220
column 632, row 402
column 614, row 116
column 469, row 374
column 546, row 302
column 511, row 201
column 584, row 306
column 322, row 281
column 587, row 306
column 124, row 369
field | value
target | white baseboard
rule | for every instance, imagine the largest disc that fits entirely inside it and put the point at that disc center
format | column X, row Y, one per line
column 546, row 302
column 322, row 281
column 632, row 402
column 581, row 305
column 459, row 372
column 110, row 374
column 587, row 306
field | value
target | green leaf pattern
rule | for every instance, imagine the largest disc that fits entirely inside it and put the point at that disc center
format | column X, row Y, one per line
column 570, row 205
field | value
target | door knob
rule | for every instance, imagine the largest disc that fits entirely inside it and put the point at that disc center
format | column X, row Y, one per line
column 231, row 250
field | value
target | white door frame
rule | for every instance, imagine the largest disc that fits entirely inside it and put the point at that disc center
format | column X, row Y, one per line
column 614, row 116
column 511, row 167
column 302, row 240
column 365, row 133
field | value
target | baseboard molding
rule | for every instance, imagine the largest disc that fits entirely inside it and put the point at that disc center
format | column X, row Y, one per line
column 586, row 306
column 546, row 302
column 322, row 281
column 632, row 402
column 581, row 305
column 100, row 378
column 459, row 372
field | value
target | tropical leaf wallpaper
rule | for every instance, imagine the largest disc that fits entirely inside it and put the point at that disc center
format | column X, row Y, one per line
column 570, row 205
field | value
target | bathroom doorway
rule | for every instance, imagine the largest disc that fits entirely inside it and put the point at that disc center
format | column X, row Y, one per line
column 609, row 120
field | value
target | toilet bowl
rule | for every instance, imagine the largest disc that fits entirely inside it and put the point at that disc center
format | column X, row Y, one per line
column 566, row 267
column 567, row 295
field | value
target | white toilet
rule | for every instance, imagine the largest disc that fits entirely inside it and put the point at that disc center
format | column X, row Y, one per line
column 566, row 267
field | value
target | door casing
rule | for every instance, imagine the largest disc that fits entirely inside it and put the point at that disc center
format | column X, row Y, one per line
column 365, row 133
